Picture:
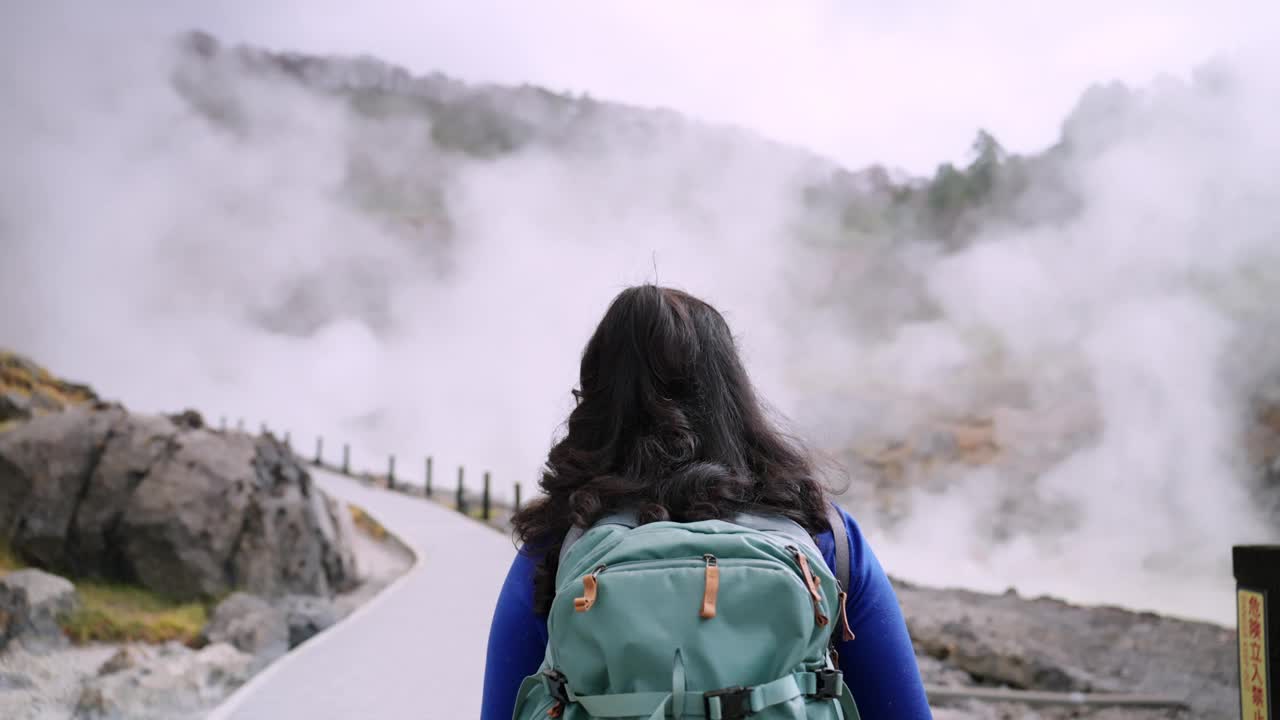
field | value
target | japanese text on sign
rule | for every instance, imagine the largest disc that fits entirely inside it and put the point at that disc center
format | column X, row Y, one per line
column 1252, row 626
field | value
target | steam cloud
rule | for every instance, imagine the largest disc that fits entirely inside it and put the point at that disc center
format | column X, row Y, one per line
column 176, row 262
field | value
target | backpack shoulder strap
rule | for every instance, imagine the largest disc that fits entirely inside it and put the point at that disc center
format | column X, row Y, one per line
column 626, row 519
column 841, row 537
column 777, row 525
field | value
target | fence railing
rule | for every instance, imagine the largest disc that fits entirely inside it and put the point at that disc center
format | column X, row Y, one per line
column 479, row 504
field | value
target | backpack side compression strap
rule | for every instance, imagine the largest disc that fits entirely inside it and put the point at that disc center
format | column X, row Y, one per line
column 841, row 537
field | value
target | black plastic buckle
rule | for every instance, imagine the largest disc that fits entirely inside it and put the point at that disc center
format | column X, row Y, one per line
column 557, row 685
column 735, row 702
column 829, row 683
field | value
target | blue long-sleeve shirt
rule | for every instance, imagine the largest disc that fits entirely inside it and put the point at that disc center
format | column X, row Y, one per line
column 879, row 665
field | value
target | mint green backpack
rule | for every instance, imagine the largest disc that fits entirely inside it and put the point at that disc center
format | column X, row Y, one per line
column 710, row 619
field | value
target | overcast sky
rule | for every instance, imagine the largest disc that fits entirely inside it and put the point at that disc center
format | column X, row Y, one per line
column 905, row 83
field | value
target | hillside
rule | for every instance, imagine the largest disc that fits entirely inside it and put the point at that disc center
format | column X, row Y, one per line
column 867, row 227
column 1055, row 370
column 492, row 121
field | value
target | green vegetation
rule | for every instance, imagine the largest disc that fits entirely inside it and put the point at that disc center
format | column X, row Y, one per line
column 8, row 561
column 125, row 613
column 991, row 186
column 111, row 612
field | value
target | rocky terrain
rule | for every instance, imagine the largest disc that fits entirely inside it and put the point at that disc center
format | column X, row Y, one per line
column 90, row 492
column 967, row 640
column 180, row 509
column 26, row 389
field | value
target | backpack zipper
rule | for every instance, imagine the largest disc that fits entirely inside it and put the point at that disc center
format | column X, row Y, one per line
column 591, row 582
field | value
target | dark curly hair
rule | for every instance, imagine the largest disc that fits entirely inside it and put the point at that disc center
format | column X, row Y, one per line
column 666, row 422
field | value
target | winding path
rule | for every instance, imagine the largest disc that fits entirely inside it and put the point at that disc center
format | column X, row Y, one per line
column 417, row 649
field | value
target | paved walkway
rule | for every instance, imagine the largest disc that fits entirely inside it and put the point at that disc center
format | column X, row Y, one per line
column 417, row 649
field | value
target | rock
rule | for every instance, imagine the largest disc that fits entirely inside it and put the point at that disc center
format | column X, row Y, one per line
column 127, row 658
column 937, row 672
column 26, row 389
column 136, row 443
column 307, row 617
column 183, row 684
column 270, row 559
column 188, row 419
column 222, row 503
column 251, row 625
column 1046, row 644
column 48, row 462
column 14, row 681
column 31, row 604
column 185, row 511
column 184, row 521
column 14, row 406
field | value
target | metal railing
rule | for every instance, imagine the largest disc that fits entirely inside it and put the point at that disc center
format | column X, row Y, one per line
column 479, row 505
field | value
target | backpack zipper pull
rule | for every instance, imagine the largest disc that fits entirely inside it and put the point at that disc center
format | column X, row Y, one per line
column 712, row 588
column 844, row 617
column 812, row 582
column 589, row 588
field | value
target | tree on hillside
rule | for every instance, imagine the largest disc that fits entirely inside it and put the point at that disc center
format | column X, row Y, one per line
column 955, row 195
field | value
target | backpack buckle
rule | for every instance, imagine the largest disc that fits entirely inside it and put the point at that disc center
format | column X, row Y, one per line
column 557, row 685
column 829, row 684
column 735, row 703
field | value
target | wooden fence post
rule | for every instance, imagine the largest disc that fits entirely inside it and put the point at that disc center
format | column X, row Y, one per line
column 319, row 450
column 484, row 501
column 391, row 473
column 346, row 459
column 517, row 497
column 461, row 500
column 428, row 491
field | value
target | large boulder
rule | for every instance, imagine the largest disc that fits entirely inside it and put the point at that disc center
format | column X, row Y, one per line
column 181, row 532
column 166, row 502
column 136, row 444
column 273, row 557
column 250, row 625
column 32, row 603
column 170, row 683
column 44, row 466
